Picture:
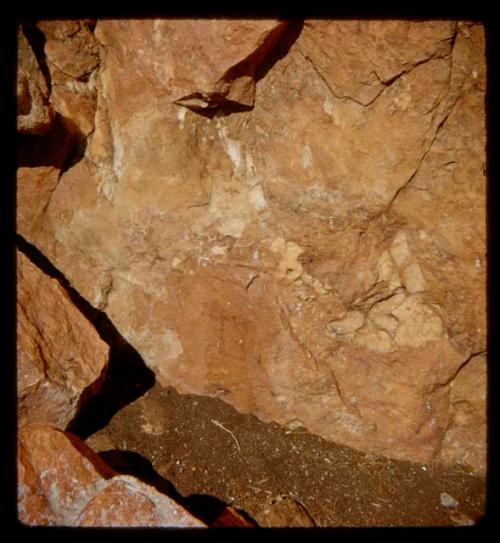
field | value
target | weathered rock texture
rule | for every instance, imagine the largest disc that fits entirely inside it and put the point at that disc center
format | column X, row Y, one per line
column 60, row 358
column 318, row 259
column 34, row 112
column 62, row 482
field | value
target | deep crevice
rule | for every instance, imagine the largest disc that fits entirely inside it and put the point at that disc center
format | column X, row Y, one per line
column 127, row 377
column 36, row 40
column 61, row 147
column 280, row 44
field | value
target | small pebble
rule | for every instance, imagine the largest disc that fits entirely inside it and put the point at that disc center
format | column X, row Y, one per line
column 461, row 519
column 448, row 501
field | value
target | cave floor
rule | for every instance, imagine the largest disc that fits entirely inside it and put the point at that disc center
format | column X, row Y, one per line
column 205, row 454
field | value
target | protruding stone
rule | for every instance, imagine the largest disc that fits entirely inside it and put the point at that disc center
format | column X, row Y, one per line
column 226, row 246
column 60, row 358
column 34, row 112
column 61, row 482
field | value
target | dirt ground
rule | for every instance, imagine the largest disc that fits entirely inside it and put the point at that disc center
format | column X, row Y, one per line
column 205, row 454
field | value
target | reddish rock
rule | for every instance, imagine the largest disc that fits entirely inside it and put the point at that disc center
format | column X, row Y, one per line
column 318, row 260
column 35, row 186
column 231, row 518
column 60, row 358
column 61, row 482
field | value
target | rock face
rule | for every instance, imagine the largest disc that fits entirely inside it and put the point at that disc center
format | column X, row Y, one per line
column 34, row 112
column 197, row 63
column 64, row 483
column 60, row 358
column 317, row 258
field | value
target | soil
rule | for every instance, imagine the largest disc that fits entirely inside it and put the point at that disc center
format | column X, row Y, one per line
column 205, row 454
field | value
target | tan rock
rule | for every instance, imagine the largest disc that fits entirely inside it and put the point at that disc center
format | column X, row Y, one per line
column 34, row 113
column 320, row 257
column 60, row 358
column 465, row 441
column 61, row 482
column 390, row 49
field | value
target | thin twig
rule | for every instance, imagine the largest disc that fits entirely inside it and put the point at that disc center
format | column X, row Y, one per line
column 217, row 423
column 300, row 502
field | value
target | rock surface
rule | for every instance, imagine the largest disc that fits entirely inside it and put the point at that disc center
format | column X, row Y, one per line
column 317, row 259
column 72, row 57
column 60, row 358
column 198, row 63
column 64, row 483
column 34, row 112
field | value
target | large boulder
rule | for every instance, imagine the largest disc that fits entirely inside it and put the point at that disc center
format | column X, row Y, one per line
column 317, row 258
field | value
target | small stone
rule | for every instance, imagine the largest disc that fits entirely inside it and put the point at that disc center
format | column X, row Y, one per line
column 447, row 500
column 284, row 512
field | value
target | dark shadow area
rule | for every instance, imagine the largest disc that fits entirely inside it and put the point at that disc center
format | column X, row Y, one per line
column 132, row 463
column 202, row 506
column 280, row 50
column 127, row 377
column 36, row 39
column 205, row 507
column 279, row 46
column 218, row 105
column 61, row 147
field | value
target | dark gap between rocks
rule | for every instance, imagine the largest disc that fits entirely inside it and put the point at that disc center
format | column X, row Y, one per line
column 202, row 506
column 280, row 50
column 127, row 377
column 187, row 440
column 36, row 39
column 61, row 147
column 220, row 106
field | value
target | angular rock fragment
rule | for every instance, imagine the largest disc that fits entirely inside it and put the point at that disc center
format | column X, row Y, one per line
column 60, row 358
column 61, row 482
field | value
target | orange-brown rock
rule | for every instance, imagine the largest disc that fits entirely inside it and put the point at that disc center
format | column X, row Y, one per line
column 199, row 63
column 308, row 259
column 60, row 358
column 61, row 482
column 71, row 53
column 34, row 112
